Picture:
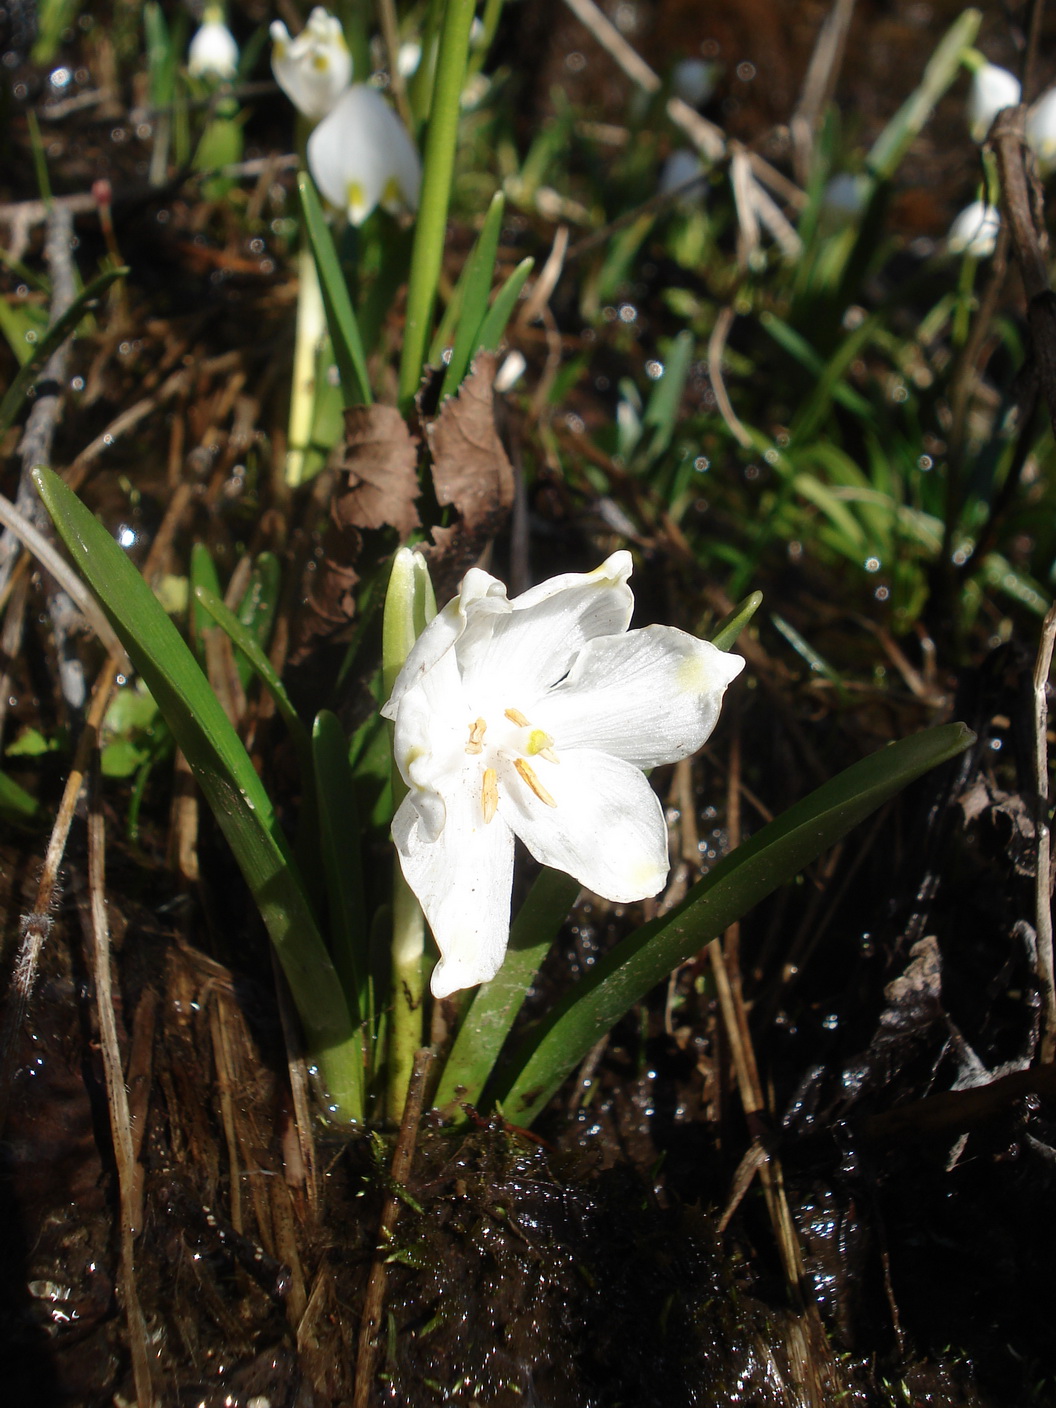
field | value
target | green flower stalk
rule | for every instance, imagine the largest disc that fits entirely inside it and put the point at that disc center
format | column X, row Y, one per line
column 409, row 607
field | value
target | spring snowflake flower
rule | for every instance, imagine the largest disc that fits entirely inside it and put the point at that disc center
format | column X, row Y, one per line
column 213, row 53
column 360, row 156
column 534, row 718
column 975, row 231
column 314, row 69
column 992, row 89
column 1041, row 131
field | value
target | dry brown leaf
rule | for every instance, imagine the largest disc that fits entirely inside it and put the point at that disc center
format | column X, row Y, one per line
column 471, row 473
column 470, row 469
column 381, row 462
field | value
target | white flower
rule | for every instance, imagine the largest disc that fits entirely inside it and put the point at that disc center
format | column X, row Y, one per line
column 360, row 156
column 693, row 80
column 992, row 89
column 314, row 69
column 1041, row 131
column 681, row 167
column 213, row 52
column 534, row 718
column 975, row 231
column 845, row 195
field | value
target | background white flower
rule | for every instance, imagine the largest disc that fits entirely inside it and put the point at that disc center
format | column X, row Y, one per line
column 974, row 231
column 314, row 69
column 534, row 718
column 992, row 89
column 360, row 156
column 213, row 52
column 1041, row 131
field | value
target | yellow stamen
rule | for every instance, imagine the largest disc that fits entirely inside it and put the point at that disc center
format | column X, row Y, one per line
column 489, row 794
column 476, row 736
column 533, row 782
column 516, row 717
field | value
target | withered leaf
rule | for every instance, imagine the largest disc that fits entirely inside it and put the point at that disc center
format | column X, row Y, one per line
column 381, row 461
column 471, row 471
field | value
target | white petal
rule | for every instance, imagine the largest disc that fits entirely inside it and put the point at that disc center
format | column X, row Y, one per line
column 463, row 881
column 429, row 742
column 1041, row 131
column 992, row 89
column 974, row 231
column 360, row 154
column 606, row 828
column 525, row 653
column 650, row 696
column 443, row 631
column 213, row 52
column 314, row 69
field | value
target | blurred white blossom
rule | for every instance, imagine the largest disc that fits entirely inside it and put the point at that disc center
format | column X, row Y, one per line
column 213, row 53
column 1041, row 131
column 360, row 156
column 693, row 80
column 314, row 69
column 975, row 231
column 992, row 89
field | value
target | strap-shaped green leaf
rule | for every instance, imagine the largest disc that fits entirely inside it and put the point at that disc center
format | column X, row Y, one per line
column 229, row 783
column 740, row 880
column 340, row 316
column 54, row 337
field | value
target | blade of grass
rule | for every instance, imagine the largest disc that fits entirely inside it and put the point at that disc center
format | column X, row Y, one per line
column 229, row 783
column 494, row 1006
column 54, row 337
column 249, row 645
column 341, row 839
column 438, row 169
column 478, row 274
column 494, row 325
column 740, row 880
column 340, row 315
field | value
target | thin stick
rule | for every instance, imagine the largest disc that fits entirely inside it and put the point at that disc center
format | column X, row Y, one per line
column 117, row 1095
column 36, row 926
column 716, row 346
column 1043, row 879
column 367, row 1350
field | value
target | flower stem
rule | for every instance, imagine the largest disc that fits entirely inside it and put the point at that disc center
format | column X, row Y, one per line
column 431, row 228
column 408, row 990
column 311, row 328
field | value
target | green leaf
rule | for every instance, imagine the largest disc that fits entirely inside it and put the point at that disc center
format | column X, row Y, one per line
column 55, row 336
column 229, row 784
column 661, row 414
column 494, row 1006
column 243, row 638
column 493, row 327
column 942, row 69
column 740, row 880
column 476, row 281
column 341, row 840
column 17, row 806
column 340, row 316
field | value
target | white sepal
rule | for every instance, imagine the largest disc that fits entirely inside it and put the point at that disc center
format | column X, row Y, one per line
column 314, row 69
column 360, row 156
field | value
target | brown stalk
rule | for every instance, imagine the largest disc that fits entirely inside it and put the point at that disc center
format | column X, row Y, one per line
column 403, row 1157
column 128, row 1176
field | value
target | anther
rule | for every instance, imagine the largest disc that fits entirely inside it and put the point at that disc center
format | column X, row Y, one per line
column 516, row 717
column 476, row 736
column 489, row 794
column 533, row 782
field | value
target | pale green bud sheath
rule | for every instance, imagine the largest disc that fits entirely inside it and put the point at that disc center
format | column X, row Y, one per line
column 409, row 607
